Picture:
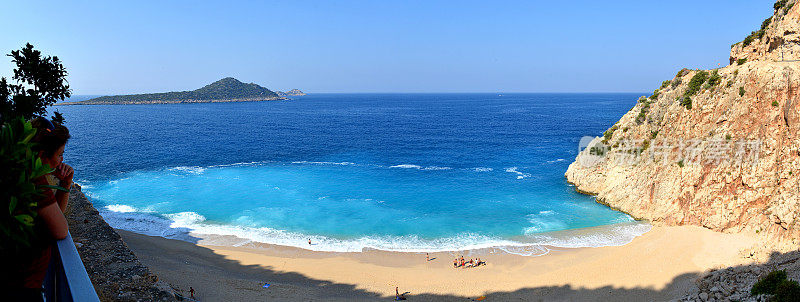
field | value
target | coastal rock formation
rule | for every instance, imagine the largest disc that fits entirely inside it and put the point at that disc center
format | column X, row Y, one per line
column 778, row 39
column 224, row 90
column 717, row 148
column 293, row 92
column 116, row 273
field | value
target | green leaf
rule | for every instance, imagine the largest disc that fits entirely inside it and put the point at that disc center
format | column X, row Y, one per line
column 12, row 204
column 25, row 219
column 29, row 137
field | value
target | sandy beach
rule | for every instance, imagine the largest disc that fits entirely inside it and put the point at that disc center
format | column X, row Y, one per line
column 659, row 265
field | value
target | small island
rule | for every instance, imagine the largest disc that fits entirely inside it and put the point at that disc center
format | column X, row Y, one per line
column 224, row 90
column 293, row 92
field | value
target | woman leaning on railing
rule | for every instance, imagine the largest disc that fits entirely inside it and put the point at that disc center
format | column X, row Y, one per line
column 23, row 275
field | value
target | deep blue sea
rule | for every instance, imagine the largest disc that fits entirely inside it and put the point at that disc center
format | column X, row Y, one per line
column 401, row 172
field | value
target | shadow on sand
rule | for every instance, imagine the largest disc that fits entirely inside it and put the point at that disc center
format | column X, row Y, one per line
column 220, row 279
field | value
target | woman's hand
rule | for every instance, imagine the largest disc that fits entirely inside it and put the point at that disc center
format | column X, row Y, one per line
column 64, row 172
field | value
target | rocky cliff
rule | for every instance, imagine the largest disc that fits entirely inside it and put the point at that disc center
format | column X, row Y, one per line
column 716, row 148
column 116, row 273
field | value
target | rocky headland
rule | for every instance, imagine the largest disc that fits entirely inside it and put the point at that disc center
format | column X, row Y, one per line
column 715, row 148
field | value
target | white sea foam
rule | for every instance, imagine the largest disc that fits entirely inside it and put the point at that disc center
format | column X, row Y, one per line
column 252, row 163
column 418, row 167
column 435, row 168
column 144, row 223
column 121, row 208
column 520, row 175
column 555, row 161
column 344, row 163
column 407, row 166
column 186, row 169
column 611, row 235
column 191, row 226
column 483, row 169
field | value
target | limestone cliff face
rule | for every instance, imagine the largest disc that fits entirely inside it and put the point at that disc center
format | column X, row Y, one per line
column 723, row 153
column 778, row 39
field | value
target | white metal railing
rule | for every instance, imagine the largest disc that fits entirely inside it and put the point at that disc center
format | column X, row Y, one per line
column 66, row 278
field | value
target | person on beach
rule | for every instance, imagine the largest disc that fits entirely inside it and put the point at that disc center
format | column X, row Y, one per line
column 22, row 275
column 455, row 263
column 397, row 295
column 309, row 241
column 427, row 257
column 191, row 292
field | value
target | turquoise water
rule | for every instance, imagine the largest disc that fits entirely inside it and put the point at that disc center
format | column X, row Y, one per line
column 404, row 172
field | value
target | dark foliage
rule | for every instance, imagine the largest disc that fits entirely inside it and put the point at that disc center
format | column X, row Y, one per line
column 779, row 4
column 787, row 291
column 686, row 101
column 696, row 82
column 38, row 82
column 18, row 193
column 769, row 283
column 714, row 79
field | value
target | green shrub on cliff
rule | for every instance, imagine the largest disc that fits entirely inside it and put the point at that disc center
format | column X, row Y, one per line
column 768, row 283
column 741, row 61
column 741, row 91
column 665, row 84
column 766, row 23
column 645, row 109
column 775, row 104
column 696, row 82
column 686, row 101
column 714, row 79
column 779, row 4
column 609, row 133
column 749, row 39
column 787, row 291
column 676, row 82
column 654, row 95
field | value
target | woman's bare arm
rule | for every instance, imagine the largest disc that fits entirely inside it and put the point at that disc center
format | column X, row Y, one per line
column 55, row 221
column 62, row 198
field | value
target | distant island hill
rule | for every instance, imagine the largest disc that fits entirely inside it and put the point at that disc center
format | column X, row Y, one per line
column 224, row 90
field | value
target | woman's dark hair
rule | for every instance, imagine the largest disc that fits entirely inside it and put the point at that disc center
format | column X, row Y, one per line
column 49, row 136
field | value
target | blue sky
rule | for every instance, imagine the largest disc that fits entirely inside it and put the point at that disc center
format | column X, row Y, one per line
column 120, row 47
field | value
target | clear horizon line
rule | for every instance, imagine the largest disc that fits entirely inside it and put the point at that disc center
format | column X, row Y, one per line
column 417, row 92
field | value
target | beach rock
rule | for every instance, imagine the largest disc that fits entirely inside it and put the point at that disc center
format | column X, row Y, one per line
column 704, row 296
column 729, row 162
